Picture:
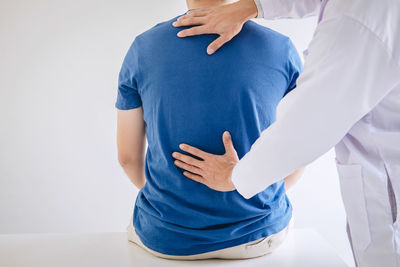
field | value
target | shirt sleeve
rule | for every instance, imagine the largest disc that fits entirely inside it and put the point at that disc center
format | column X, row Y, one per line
column 128, row 96
column 332, row 94
column 294, row 67
column 275, row 9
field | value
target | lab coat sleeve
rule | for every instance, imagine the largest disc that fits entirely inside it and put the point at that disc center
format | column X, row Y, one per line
column 275, row 9
column 347, row 72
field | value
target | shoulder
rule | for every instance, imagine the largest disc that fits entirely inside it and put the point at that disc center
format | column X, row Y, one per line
column 154, row 36
column 264, row 32
column 276, row 42
column 157, row 31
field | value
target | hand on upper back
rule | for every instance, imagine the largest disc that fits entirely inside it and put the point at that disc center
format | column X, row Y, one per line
column 226, row 21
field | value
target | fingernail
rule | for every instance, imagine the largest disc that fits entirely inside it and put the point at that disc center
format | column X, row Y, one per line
column 181, row 146
column 179, row 34
column 174, row 154
column 210, row 51
column 174, row 23
column 226, row 133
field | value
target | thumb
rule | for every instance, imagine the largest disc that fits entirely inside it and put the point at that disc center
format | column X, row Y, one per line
column 227, row 140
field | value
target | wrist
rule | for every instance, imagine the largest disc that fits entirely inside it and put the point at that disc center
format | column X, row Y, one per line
column 248, row 8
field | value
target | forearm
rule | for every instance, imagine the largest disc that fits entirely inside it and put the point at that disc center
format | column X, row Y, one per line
column 131, row 142
column 275, row 9
column 329, row 99
column 135, row 172
column 293, row 178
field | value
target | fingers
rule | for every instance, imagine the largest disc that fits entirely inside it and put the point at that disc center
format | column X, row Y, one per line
column 227, row 140
column 199, row 12
column 220, row 41
column 187, row 167
column 194, row 151
column 194, row 177
column 188, row 159
column 190, row 17
column 189, row 21
column 193, row 31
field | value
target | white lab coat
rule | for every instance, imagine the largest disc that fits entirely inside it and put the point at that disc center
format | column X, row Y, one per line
column 348, row 96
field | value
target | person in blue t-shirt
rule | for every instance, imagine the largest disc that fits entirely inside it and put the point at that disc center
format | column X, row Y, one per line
column 168, row 93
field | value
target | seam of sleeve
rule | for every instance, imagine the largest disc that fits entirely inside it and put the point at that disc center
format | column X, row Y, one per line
column 126, row 107
column 295, row 68
column 134, row 101
column 387, row 50
column 139, row 73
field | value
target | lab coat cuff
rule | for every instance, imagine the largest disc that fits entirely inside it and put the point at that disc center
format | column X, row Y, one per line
column 260, row 11
column 240, row 182
column 268, row 9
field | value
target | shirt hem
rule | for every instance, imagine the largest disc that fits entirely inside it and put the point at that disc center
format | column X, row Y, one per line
column 207, row 248
column 122, row 107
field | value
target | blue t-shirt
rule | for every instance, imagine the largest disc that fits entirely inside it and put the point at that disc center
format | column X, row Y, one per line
column 190, row 97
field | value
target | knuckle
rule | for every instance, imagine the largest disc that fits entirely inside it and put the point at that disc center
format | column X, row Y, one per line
column 197, row 30
column 193, row 169
column 187, row 159
column 229, row 34
column 184, row 32
column 191, row 175
column 215, row 45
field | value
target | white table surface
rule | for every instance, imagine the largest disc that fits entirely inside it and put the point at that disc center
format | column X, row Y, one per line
column 303, row 247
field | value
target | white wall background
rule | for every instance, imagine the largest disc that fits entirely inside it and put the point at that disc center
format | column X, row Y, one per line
column 58, row 79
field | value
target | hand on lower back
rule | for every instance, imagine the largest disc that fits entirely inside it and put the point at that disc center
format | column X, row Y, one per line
column 215, row 171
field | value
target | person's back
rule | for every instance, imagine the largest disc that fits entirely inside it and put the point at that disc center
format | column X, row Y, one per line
column 189, row 96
